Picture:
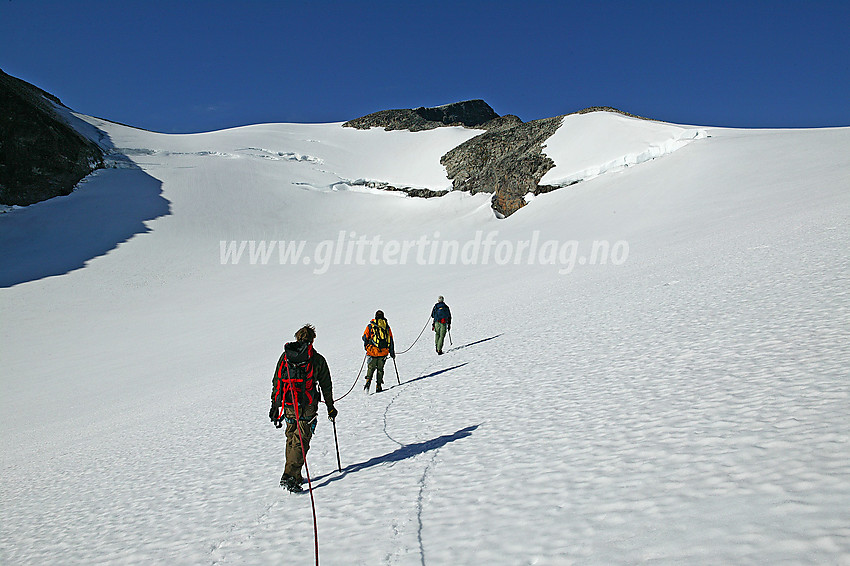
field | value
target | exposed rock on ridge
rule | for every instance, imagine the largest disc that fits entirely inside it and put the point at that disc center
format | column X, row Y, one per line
column 470, row 113
column 40, row 155
column 508, row 162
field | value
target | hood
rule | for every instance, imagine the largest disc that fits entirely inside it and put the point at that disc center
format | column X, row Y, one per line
column 298, row 352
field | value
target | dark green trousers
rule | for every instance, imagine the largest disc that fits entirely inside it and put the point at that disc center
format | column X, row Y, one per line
column 376, row 364
column 440, row 329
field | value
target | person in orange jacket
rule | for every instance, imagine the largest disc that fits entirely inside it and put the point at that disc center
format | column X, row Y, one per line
column 378, row 342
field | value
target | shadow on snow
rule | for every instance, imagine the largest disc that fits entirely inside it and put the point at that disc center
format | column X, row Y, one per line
column 63, row 234
column 432, row 374
column 409, row 450
column 402, row 453
column 472, row 343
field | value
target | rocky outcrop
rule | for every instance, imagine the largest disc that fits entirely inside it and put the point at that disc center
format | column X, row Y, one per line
column 40, row 155
column 507, row 161
column 471, row 114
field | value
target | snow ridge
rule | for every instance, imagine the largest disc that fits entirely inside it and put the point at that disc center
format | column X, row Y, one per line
column 589, row 145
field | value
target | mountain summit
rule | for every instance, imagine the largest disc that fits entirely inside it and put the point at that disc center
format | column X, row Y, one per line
column 469, row 113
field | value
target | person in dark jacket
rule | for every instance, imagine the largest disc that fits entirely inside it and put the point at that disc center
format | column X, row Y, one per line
column 299, row 374
column 442, row 322
column 378, row 342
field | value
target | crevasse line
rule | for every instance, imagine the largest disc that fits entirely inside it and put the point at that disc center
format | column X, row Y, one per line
column 653, row 151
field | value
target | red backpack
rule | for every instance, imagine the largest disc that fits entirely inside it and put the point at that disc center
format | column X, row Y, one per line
column 294, row 377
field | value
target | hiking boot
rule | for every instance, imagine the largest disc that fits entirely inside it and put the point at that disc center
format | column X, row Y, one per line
column 292, row 484
column 366, row 387
column 440, row 352
column 378, row 388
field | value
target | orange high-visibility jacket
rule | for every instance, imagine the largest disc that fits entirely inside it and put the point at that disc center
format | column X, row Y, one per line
column 372, row 349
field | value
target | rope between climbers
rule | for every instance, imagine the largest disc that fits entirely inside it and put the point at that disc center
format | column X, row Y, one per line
column 417, row 338
column 356, row 379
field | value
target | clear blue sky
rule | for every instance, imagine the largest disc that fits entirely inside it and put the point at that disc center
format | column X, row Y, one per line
column 174, row 66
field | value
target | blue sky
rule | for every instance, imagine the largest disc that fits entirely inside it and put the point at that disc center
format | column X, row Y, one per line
column 196, row 66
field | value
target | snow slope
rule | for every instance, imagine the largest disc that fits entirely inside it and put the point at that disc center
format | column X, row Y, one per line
column 588, row 145
column 684, row 402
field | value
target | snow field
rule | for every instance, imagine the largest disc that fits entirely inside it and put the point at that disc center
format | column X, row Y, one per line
column 687, row 406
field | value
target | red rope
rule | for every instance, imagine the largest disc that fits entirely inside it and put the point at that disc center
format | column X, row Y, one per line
column 304, row 456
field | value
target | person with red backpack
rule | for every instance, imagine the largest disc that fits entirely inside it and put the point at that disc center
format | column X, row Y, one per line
column 300, row 372
column 378, row 342
column 442, row 323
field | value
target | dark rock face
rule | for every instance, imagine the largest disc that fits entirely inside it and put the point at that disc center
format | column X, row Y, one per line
column 507, row 161
column 40, row 155
column 471, row 113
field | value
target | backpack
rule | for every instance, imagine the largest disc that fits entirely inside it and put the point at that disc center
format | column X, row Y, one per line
column 295, row 376
column 380, row 335
column 441, row 312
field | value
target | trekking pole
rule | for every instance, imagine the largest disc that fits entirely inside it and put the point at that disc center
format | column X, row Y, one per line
column 336, row 441
column 396, row 372
column 450, row 337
